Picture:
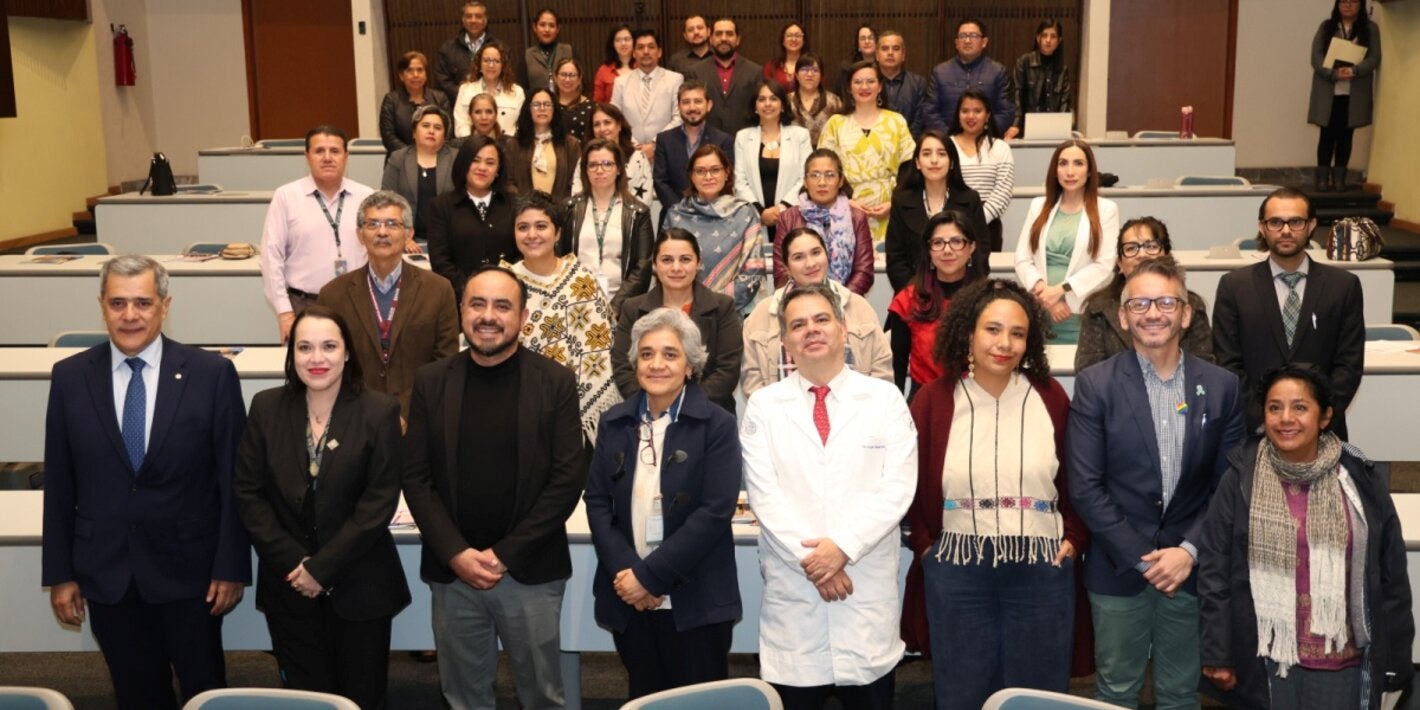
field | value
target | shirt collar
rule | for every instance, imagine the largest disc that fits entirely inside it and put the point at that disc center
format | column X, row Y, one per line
column 674, row 411
column 309, row 187
column 835, row 385
column 151, row 356
column 388, row 282
column 1149, row 371
column 1277, row 270
column 485, row 200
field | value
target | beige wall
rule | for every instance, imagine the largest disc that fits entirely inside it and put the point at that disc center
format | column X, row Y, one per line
column 130, row 127
column 1397, row 108
column 52, row 154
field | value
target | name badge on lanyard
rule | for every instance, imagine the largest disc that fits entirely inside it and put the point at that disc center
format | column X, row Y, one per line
column 341, row 266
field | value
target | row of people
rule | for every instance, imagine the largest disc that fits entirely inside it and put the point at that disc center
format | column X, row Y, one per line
column 492, row 462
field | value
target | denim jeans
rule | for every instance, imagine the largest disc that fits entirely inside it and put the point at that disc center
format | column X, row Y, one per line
column 993, row 627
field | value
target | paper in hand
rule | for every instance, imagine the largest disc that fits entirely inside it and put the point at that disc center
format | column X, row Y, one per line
column 1343, row 51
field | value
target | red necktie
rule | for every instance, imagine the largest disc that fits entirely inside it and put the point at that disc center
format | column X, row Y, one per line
column 821, row 411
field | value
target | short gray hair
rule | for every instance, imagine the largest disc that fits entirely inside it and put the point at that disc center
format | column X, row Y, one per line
column 818, row 289
column 381, row 199
column 134, row 265
column 672, row 319
column 427, row 109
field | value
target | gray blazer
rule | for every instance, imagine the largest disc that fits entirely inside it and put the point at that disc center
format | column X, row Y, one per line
column 1324, row 81
column 402, row 173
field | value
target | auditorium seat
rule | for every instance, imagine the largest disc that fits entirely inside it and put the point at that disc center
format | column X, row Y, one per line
column 1027, row 699
column 78, row 339
column 282, row 143
column 1155, row 135
column 739, row 693
column 81, row 249
column 1391, row 331
column 366, row 143
column 268, row 699
column 205, row 248
column 23, row 698
column 1211, row 180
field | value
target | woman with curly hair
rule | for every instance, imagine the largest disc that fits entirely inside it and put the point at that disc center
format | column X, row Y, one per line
column 991, row 525
column 490, row 73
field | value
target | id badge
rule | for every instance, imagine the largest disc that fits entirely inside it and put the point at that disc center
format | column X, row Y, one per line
column 341, row 267
column 655, row 524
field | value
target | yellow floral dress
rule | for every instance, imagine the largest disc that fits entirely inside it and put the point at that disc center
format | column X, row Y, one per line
column 870, row 158
column 570, row 322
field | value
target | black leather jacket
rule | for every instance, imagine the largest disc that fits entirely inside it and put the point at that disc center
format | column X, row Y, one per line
column 636, row 239
column 1039, row 87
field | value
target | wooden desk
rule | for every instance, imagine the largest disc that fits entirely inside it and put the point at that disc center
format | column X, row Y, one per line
column 1135, row 161
column 1197, row 217
column 270, row 168
column 148, row 224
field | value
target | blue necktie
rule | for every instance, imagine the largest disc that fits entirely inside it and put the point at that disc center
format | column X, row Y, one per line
column 135, row 404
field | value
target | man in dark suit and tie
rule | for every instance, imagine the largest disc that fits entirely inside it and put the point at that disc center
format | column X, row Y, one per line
column 1150, row 431
column 493, row 468
column 139, row 517
column 671, row 172
column 1290, row 309
column 730, row 77
column 402, row 317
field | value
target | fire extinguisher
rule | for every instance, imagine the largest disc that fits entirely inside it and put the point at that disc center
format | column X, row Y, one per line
column 125, row 72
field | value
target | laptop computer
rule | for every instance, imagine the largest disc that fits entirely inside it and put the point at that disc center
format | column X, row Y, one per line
column 1049, row 126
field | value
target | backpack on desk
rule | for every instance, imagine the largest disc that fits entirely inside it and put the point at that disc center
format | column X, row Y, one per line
column 1354, row 239
column 160, row 176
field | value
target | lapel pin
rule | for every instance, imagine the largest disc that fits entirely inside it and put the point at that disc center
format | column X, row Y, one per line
column 177, row 376
column 332, row 444
column 1201, row 392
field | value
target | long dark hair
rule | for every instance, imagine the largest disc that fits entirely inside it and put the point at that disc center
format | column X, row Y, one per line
column 930, row 299
column 469, row 150
column 856, row 55
column 1361, row 28
column 1050, row 24
column 959, row 323
column 783, row 55
column 623, row 137
column 848, row 101
column 1052, row 196
column 1157, row 229
column 525, row 135
column 955, row 182
column 611, row 56
column 989, row 132
column 351, row 379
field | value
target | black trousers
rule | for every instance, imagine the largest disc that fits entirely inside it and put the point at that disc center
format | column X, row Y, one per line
column 876, row 695
column 328, row 654
column 657, row 657
column 997, row 242
column 1336, row 135
column 145, row 644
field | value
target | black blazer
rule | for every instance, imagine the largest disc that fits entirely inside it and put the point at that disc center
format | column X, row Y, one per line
column 460, row 242
column 356, row 494
column 720, row 329
column 1331, row 332
column 550, row 471
column 670, row 173
column 397, row 116
column 730, row 110
column 700, row 484
column 637, row 237
column 908, row 218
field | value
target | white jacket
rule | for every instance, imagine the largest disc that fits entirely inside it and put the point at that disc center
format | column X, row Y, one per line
column 854, row 491
column 794, row 149
column 1085, row 275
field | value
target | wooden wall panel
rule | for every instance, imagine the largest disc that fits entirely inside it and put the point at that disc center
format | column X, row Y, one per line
column 292, row 88
column 1152, row 73
column 48, row 9
column 7, row 69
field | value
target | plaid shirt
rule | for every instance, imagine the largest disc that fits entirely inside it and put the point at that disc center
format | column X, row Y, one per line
column 1168, row 408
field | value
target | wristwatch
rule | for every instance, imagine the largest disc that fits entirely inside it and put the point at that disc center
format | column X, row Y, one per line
column 1066, row 287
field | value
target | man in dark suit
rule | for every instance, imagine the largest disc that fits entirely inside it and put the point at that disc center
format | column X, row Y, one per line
column 493, row 468
column 671, row 171
column 905, row 92
column 1289, row 309
column 456, row 54
column 139, row 517
column 729, row 77
column 1150, row 432
column 401, row 319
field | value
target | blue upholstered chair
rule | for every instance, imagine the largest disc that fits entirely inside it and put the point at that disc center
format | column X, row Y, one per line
column 1026, row 699
column 737, row 693
column 22, row 698
column 268, row 699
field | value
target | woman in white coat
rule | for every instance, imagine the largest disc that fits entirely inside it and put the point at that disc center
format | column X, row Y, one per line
column 1066, row 248
column 770, row 155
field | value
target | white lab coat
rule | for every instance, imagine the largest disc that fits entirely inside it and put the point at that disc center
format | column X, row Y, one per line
column 1085, row 275
column 855, row 491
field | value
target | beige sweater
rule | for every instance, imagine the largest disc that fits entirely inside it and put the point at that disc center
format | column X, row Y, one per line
column 872, row 355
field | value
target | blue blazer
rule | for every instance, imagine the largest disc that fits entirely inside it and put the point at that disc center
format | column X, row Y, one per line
column 700, row 484
column 1116, row 483
column 172, row 527
column 670, row 171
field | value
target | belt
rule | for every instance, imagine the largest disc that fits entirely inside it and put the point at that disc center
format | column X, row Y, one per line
column 301, row 294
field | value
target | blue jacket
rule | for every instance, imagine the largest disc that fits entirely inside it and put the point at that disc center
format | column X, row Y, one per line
column 1115, row 477
column 951, row 79
column 700, row 484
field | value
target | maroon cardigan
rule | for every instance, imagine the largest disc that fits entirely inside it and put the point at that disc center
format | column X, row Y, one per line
column 862, row 277
column 932, row 411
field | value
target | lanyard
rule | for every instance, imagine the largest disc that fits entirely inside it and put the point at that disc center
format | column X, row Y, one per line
column 316, row 450
column 384, row 323
column 335, row 221
column 599, row 226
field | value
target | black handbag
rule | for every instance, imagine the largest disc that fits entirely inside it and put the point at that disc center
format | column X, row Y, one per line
column 160, row 176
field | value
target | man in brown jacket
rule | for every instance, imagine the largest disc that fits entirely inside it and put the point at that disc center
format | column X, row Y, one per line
column 400, row 316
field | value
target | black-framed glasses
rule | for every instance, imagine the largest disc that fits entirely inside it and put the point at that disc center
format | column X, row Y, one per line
column 1165, row 304
column 1150, row 248
column 955, row 243
column 647, row 436
column 1275, row 224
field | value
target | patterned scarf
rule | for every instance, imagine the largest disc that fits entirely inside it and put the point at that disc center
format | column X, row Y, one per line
column 542, row 142
column 1272, row 554
column 835, row 225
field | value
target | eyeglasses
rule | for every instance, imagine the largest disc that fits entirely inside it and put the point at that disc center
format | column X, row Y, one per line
column 939, row 244
column 794, row 35
column 828, row 175
column 492, row 60
column 1133, row 248
column 709, row 172
column 1165, row 304
column 970, row 36
column 540, row 105
column 646, row 436
column 1275, row 224
column 393, row 225
column 569, row 77
column 600, row 166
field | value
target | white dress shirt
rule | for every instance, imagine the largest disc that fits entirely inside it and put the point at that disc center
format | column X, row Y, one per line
column 298, row 247
column 152, row 357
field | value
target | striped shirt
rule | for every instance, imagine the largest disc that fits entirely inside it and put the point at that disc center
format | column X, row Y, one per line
column 992, row 173
column 1170, row 420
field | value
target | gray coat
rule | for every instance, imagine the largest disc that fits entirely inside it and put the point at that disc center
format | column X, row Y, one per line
column 1324, row 81
column 402, row 173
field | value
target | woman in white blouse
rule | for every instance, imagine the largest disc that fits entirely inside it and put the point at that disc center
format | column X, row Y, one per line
column 769, row 156
column 491, row 73
column 1066, row 249
column 987, row 165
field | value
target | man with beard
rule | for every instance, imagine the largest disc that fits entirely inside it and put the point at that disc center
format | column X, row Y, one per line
column 1149, row 437
column 492, row 471
column 674, row 146
column 729, row 78
column 1289, row 309
column 370, row 299
column 645, row 94
column 457, row 54
column 697, row 42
